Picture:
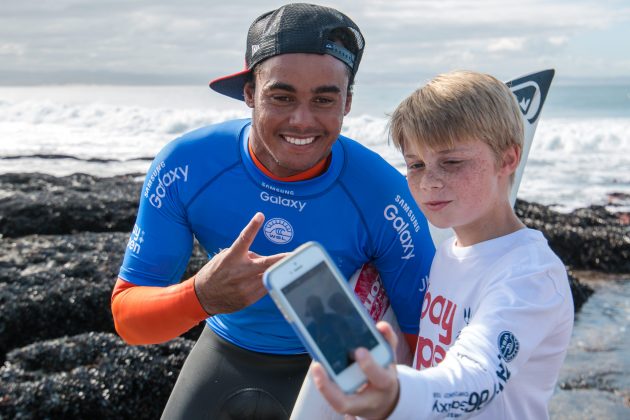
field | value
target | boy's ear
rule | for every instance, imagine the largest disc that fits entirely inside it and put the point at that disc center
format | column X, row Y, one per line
column 511, row 159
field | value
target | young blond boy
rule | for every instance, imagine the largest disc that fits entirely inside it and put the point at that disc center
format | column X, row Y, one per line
column 498, row 314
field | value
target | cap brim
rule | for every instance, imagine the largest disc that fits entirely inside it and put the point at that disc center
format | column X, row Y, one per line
column 231, row 85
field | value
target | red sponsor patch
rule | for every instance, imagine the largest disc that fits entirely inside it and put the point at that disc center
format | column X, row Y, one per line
column 371, row 292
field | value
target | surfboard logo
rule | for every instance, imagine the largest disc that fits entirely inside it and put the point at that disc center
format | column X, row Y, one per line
column 530, row 92
column 278, row 231
column 525, row 102
column 528, row 99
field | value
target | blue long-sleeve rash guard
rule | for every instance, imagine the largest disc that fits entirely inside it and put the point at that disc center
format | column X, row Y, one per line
column 205, row 185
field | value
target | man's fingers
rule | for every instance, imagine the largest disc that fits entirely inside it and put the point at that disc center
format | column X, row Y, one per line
column 266, row 261
column 244, row 241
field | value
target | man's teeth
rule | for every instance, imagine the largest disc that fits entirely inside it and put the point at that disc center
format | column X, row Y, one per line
column 299, row 142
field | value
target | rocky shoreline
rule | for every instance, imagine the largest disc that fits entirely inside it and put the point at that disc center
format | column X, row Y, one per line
column 62, row 242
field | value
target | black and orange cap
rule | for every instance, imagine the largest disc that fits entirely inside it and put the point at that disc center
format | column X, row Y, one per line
column 296, row 28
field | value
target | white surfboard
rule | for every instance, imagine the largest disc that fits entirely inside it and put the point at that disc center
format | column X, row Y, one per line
column 530, row 91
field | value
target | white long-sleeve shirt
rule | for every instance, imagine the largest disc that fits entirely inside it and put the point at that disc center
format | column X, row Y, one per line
column 495, row 326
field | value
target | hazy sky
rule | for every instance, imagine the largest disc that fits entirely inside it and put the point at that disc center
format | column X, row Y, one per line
column 192, row 41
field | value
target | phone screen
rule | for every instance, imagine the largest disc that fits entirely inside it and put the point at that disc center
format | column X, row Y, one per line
column 329, row 316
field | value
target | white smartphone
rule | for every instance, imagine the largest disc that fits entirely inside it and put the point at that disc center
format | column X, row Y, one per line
column 315, row 298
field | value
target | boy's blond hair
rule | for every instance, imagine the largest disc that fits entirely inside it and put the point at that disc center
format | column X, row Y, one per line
column 457, row 106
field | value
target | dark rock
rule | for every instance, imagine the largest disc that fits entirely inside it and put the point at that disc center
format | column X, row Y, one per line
column 592, row 380
column 44, row 204
column 587, row 239
column 51, row 286
column 580, row 291
column 93, row 375
column 618, row 198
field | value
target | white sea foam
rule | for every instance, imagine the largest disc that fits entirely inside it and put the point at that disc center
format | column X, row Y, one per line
column 573, row 162
column 577, row 162
column 96, row 130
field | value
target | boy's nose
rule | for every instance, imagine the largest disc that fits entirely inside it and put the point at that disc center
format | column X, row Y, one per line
column 431, row 179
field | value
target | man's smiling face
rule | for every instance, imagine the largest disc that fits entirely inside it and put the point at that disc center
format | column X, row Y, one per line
column 298, row 104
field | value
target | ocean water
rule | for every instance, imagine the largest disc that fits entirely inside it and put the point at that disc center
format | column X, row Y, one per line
column 579, row 154
column 597, row 365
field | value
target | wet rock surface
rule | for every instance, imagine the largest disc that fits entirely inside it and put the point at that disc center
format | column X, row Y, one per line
column 92, row 375
column 580, row 291
column 56, row 285
column 51, row 286
column 587, row 239
column 590, row 380
column 62, row 244
column 44, row 204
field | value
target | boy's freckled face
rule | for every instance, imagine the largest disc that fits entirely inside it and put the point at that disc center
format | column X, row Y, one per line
column 457, row 187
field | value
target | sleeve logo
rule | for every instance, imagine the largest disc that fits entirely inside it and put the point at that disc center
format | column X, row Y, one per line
column 508, row 346
column 402, row 229
column 164, row 180
column 136, row 239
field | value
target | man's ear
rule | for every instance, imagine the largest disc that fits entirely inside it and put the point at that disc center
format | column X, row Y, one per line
column 346, row 110
column 248, row 94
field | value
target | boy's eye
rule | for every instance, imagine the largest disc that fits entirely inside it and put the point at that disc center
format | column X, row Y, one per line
column 452, row 162
column 415, row 166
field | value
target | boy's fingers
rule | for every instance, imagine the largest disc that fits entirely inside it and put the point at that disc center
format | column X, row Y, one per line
column 388, row 333
column 328, row 388
column 378, row 376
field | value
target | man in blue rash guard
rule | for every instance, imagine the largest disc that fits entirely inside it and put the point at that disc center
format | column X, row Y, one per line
column 290, row 163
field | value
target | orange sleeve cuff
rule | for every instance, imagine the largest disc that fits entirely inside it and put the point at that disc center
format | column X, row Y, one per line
column 151, row 315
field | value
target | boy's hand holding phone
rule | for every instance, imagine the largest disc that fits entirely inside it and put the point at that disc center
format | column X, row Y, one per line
column 378, row 397
column 315, row 298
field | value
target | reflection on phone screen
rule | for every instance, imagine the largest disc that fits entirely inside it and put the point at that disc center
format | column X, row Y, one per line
column 329, row 316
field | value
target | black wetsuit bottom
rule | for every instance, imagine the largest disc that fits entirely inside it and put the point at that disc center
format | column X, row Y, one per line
column 225, row 382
